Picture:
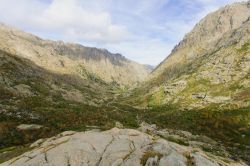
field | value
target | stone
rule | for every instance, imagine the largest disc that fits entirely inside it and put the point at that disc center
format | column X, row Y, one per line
column 174, row 159
column 37, row 143
column 145, row 127
column 152, row 161
column 29, row 127
column 114, row 147
column 200, row 160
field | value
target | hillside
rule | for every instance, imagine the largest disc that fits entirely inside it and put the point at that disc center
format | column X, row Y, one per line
column 68, row 58
column 203, row 86
column 209, row 66
column 59, row 87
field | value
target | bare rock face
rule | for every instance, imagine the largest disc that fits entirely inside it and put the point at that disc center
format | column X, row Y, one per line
column 114, row 147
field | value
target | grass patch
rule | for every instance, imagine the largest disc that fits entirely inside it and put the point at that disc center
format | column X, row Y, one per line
column 176, row 140
column 157, row 98
column 12, row 152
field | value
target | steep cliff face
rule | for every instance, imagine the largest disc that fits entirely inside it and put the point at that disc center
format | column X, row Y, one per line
column 209, row 66
column 72, row 58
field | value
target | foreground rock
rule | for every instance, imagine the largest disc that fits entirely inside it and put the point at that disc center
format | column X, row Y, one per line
column 114, row 147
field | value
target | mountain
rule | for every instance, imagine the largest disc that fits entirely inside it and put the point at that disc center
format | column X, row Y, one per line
column 47, row 87
column 68, row 58
column 150, row 67
column 203, row 86
column 209, row 66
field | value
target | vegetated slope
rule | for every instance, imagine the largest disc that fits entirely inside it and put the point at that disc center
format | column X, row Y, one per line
column 210, row 66
column 31, row 95
column 204, row 85
column 47, row 87
column 67, row 58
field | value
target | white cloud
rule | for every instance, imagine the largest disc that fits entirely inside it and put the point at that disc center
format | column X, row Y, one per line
column 68, row 18
column 78, row 22
column 142, row 30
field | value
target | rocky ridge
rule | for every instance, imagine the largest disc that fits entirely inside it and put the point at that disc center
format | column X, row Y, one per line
column 68, row 58
column 118, row 147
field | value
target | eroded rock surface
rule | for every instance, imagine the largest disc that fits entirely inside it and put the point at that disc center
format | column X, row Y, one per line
column 114, row 147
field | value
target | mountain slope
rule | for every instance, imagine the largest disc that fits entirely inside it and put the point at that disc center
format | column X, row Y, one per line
column 209, row 66
column 69, row 58
column 58, row 87
column 203, row 86
column 36, row 103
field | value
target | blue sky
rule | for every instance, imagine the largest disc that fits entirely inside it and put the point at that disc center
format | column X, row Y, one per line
column 142, row 30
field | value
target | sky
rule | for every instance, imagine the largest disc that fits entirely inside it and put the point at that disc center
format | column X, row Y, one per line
column 142, row 30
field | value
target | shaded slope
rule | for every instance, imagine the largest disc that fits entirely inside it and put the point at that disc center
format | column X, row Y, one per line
column 30, row 94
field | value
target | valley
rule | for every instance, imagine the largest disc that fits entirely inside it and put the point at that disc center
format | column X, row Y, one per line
column 197, row 98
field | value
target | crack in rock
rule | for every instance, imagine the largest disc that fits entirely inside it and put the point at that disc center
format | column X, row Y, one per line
column 98, row 163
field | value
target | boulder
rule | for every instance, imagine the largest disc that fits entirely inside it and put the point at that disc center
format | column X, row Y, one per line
column 29, row 127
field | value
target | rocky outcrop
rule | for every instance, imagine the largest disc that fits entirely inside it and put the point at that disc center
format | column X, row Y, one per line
column 115, row 147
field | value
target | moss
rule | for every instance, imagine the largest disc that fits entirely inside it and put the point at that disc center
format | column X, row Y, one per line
column 41, row 88
column 178, row 141
column 12, row 152
column 236, row 86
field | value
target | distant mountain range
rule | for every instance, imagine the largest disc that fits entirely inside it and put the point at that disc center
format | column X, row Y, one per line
column 71, row 58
